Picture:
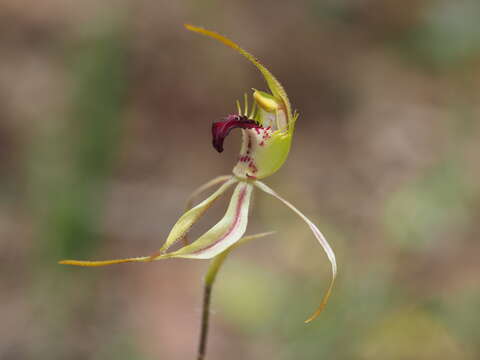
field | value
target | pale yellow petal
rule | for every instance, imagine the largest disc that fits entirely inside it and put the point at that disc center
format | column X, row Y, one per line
column 186, row 221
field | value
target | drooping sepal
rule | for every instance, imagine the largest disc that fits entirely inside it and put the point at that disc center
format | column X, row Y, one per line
column 321, row 239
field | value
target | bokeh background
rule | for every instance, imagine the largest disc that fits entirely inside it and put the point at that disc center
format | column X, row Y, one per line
column 105, row 113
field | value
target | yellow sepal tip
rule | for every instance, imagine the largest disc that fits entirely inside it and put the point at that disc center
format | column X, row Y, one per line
column 104, row 262
column 322, row 305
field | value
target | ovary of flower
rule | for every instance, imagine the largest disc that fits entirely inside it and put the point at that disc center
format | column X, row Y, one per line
column 267, row 132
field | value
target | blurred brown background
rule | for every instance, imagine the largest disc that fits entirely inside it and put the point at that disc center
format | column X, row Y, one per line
column 105, row 113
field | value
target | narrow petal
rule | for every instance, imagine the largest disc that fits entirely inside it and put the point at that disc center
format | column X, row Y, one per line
column 186, row 221
column 321, row 239
column 226, row 232
column 179, row 230
column 248, row 238
column 204, row 187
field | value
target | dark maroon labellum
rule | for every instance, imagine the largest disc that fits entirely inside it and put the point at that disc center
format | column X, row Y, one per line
column 220, row 129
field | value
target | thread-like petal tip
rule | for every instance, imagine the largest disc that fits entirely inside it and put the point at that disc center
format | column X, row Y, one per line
column 88, row 263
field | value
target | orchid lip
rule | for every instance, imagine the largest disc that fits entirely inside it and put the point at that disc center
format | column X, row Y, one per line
column 220, row 129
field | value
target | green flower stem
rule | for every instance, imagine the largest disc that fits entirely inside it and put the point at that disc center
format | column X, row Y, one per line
column 210, row 277
column 212, row 272
column 202, row 346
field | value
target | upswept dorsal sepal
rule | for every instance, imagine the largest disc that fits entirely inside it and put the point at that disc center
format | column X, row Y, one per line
column 273, row 84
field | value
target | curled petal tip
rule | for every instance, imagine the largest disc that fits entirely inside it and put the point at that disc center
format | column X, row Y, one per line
column 325, row 299
column 321, row 307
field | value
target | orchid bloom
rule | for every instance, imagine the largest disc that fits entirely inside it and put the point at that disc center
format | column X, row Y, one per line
column 267, row 131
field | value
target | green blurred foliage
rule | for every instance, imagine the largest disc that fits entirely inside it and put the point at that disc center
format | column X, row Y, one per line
column 447, row 36
column 422, row 214
column 98, row 79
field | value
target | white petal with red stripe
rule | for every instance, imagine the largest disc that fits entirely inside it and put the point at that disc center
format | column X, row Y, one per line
column 226, row 232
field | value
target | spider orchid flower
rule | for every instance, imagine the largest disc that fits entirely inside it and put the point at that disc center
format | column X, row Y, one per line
column 267, row 131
